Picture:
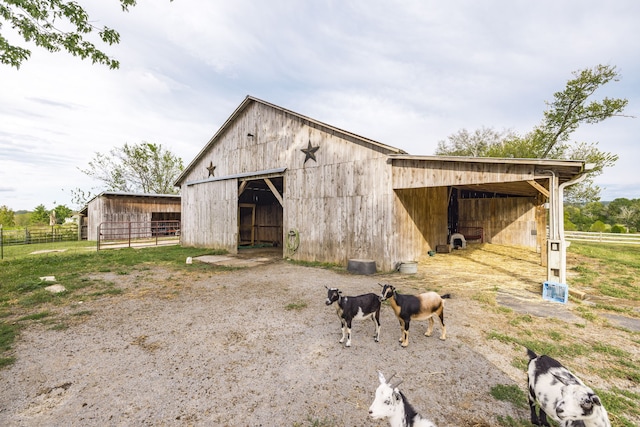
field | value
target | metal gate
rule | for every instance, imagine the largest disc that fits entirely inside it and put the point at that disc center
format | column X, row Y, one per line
column 145, row 233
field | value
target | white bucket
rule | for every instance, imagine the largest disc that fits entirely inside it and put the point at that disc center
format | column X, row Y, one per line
column 410, row 267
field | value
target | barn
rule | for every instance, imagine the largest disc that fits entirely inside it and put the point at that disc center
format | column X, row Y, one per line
column 272, row 176
column 112, row 209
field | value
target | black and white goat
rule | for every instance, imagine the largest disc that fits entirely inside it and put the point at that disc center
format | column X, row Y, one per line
column 415, row 307
column 390, row 403
column 358, row 307
column 562, row 396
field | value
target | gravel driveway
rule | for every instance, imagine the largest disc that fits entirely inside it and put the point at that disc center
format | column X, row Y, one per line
column 255, row 346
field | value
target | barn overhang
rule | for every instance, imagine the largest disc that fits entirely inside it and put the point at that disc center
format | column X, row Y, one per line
column 544, row 179
column 263, row 174
column 518, row 177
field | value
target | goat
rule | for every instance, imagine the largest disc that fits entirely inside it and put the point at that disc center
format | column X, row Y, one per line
column 358, row 307
column 561, row 395
column 391, row 403
column 415, row 307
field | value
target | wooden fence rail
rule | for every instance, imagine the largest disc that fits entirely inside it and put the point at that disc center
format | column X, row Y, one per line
column 590, row 236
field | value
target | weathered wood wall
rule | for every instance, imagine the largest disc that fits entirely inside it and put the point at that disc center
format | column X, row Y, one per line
column 421, row 215
column 341, row 204
column 125, row 208
column 212, row 215
column 342, row 210
column 506, row 221
column 418, row 173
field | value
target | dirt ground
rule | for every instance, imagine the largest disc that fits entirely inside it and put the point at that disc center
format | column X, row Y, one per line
column 257, row 346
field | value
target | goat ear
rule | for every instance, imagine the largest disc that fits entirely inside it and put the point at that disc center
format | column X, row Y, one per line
column 396, row 395
column 381, row 378
column 596, row 400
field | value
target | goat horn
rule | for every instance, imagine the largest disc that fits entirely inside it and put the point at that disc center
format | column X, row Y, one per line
column 389, row 379
column 381, row 285
column 396, row 384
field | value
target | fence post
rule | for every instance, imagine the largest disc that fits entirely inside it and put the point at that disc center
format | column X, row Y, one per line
column 1, row 243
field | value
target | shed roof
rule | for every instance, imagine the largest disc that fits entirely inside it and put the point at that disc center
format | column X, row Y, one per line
column 123, row 194
column 533, row 173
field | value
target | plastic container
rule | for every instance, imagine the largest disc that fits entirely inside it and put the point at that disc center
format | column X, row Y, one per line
column 409, row 267
column 555, row 292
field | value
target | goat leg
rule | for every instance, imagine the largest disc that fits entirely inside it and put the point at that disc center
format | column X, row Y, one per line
column 430, row 328
column 344, row 330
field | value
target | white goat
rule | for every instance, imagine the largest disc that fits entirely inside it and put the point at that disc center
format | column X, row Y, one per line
column 390, row 403
column 562, row 396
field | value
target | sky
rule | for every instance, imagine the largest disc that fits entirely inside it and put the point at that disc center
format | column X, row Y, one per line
column 404, row 73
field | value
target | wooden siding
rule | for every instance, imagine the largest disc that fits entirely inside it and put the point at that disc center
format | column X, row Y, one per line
column 421, row 221
column 212, row 218
column 505, row 221
column 125, row 208
column 341, row 204
column 416, row 173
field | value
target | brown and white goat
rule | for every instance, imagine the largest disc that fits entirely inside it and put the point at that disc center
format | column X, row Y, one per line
column 415, row 307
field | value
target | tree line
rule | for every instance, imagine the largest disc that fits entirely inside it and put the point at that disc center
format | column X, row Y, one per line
column 618, row 216
column 40, row 216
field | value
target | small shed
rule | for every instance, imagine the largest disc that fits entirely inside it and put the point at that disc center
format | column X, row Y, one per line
column 121, row 207
column 273, row 176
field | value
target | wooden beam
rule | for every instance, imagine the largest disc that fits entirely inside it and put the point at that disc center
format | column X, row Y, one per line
column 243, row 185
column 274, row 190
column 539, row 187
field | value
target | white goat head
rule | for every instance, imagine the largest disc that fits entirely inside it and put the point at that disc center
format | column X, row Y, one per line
column 387, row 399
column 390, row 403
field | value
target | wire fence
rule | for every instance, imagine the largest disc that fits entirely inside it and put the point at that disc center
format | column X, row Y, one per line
column 44, row 234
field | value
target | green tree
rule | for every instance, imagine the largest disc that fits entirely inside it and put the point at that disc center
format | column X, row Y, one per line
column 595, row 211
column 42, row 23
column 7, row 216
column 551, row 139
column 139, row 168
column 574, row 214
column 39, row 216
column 476, row 144
column 598, row 226
column 62, row 213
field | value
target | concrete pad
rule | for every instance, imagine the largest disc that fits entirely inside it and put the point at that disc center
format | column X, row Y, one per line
column 630, row 323
column 230, row 261
column 212, row 259
column 539, row 308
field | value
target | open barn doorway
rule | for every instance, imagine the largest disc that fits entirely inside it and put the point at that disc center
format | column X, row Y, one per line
column 260, row 215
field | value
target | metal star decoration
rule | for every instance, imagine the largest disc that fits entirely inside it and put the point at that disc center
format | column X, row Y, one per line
column 310, row 152
column 211, row 169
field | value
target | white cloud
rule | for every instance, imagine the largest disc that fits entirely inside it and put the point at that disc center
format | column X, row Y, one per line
column 405, row 73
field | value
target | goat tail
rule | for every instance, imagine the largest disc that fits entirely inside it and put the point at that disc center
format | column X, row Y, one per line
column 532, row 355
column 445, row 296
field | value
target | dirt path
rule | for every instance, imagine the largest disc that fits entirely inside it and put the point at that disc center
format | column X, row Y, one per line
column 258, row 347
